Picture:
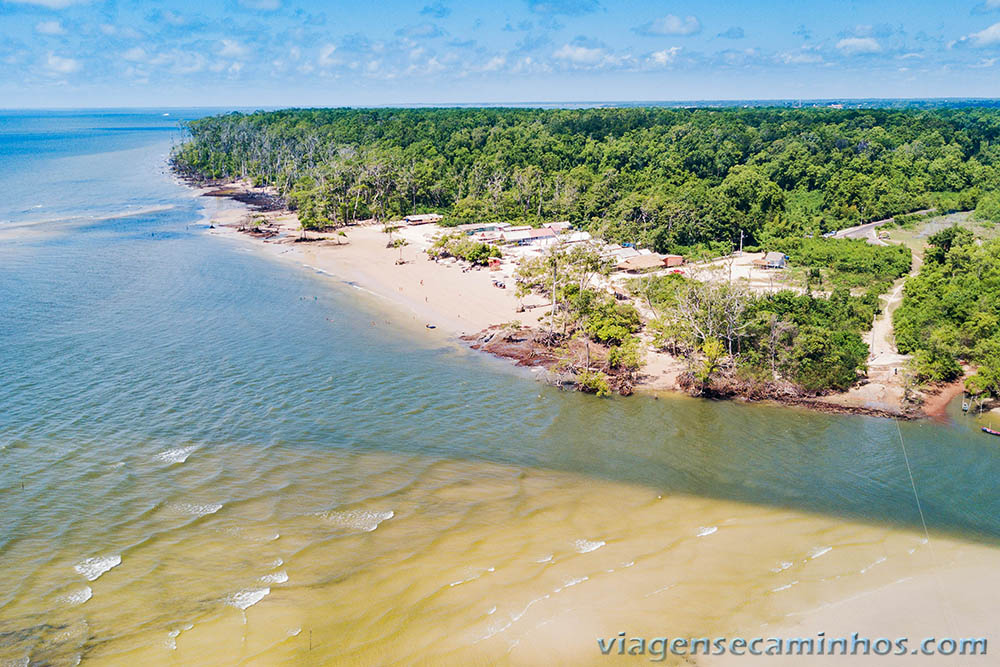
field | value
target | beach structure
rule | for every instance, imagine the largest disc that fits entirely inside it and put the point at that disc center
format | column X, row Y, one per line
column 558, row 227
column 618, row 254
column 648, row 261
column 423, row 218
column 529, row 236
column 473, row 228
column 575, row 237
column 772, row 260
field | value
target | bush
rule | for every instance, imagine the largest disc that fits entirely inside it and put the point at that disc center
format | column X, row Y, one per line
column 462, row 247
column 593, row 382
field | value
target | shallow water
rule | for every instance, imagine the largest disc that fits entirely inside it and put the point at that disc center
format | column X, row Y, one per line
column 212, row 457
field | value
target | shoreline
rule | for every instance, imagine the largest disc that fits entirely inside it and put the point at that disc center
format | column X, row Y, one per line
column 463, row 303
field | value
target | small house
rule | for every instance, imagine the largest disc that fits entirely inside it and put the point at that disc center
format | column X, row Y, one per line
column 423, row 218
column 558, row 227
column 529, row 236
column 772, row 260
column 639, row 263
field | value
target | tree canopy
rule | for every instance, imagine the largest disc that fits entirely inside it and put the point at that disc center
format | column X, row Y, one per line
column 668, row 178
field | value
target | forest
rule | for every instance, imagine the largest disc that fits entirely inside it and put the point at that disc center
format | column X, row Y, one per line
column 675, row 180
column 760, row 344
column 950, row 312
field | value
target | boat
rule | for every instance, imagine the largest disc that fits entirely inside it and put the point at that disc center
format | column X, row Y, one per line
column 990, row 431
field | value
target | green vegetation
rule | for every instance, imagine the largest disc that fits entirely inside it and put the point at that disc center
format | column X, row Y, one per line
column 951, row 311
column 581, row 313
column 672, row 179
column 461, row 246
column 757, row 339
column 852, row 262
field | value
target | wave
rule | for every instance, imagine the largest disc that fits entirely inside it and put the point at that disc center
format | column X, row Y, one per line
column 279, row 577
column 819, row 551
column 363, row 520
column 179, row 455
column 247, row 598
column 586, row 546
column 78, row 596
column 197, row 510
column 93, row 568
column 707, row 530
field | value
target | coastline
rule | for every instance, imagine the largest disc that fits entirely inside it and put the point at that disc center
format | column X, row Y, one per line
column 448, row 299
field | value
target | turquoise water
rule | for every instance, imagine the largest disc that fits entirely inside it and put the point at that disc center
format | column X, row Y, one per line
column 146, row 365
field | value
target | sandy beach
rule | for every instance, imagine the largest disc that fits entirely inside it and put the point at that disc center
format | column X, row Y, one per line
column 448, row 300
column 444, row 298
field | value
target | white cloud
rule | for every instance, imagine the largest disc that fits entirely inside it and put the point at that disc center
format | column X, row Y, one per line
column 495, row 63
column 665, row 57
column 50, row 28
column 580, row 55
column 854, row 45
column 262, row 5
column 671, row 25
column 232, row 49
column 986, row 37
column 326, row 58
column 135, row 54
column 803, row 56
column 51, row 4
column 60, row 65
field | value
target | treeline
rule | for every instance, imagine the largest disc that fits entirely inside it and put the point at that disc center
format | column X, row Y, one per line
column 758, row 344
column 668, row 178
column 951, row 311
column 851, row 263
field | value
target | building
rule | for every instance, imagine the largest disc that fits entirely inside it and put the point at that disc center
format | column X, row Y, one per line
column 772, row 260
column 558, row 227
column 617, row 253
column 639, row 263
column 423, row 218
column 481, row 227
column 530, row 236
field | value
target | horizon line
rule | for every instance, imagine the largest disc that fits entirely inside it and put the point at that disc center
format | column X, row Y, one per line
column 528, row 103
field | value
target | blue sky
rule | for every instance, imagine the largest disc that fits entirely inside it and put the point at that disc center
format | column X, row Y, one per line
column 98, row 53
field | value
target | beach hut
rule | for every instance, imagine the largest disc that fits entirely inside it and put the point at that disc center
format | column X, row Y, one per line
column 772, row 260
column 529, row 236
column 558, row 227
column 423, row 218
column 639, row 263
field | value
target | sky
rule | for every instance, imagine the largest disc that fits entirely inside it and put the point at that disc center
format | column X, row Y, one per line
column 229, row 53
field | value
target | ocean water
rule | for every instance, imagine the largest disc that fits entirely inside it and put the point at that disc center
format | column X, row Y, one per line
column 210, row 457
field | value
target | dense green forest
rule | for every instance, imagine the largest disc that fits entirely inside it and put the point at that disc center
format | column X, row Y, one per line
column 951, row 311
column 751, row 341
column 667, row 178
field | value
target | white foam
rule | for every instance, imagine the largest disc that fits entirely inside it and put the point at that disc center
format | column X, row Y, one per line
column 363, row 520
column 197, row 510
column 277, row 563
column 78, row 596
column 247, row 598
column 92, row 568
column 179, row 455
column 547, row 559
column 819, row 551
column 782, row 566
column 586, row 546
column 571, row 582
column 707, row 530
column 783, row 588
column 883, row 559
column 275, row 578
